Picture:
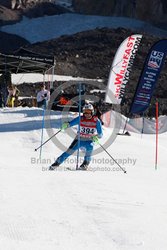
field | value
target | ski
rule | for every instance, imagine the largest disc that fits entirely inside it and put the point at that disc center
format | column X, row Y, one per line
column 66, row 169
column 73, row 169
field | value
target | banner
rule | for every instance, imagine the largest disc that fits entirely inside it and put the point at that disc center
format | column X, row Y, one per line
column 135, row 125
column 149, row 76
column 25, row 63
column 25, row 54
column 121, row 68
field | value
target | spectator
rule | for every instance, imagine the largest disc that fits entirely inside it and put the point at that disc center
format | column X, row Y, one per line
column 43, row 96
column 98, row 112
column 13, row 93
column 63, row 100
column 1, row 100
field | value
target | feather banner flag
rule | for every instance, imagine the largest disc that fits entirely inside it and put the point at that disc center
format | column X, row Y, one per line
column 121, row 68
column 149, row 76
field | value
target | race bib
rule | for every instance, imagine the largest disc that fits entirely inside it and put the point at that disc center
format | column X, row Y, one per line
column 87, row 131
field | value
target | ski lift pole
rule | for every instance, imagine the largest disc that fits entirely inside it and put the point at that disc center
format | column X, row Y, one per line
column 77, row 165
column 113, row 159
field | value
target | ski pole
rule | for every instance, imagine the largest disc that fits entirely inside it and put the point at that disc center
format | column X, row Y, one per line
column 113, row 158
column 48, row 140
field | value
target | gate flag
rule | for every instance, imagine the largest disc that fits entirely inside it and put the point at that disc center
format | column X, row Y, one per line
column 149, row 76
column 121, row 68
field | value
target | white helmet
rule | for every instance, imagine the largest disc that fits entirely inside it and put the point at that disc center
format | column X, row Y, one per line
column 88, row 106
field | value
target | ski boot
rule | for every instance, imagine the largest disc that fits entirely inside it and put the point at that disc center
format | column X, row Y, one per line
column 54, row 165
column 84, row 166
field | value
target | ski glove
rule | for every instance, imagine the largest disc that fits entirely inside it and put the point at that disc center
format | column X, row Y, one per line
column 64, row 126
column 95, row 139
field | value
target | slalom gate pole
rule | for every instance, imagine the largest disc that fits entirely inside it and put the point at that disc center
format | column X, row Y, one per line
column 125, row 125
column 113, row 159
column 142, row 131
column 43, row 124
column 48, row 140
column 156, row 150
column 77, row 165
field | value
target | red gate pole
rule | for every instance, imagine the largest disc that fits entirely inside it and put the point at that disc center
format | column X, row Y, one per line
column 156, row 151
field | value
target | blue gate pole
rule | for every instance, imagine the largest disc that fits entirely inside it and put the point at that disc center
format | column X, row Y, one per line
column 43, row 125
column 77, row 165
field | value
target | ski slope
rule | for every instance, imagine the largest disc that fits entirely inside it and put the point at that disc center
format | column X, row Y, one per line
column 102, row 208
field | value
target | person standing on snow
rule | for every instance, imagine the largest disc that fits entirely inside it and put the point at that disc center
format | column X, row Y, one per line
column 90, row 131
column 43, row 96
column 13, row 94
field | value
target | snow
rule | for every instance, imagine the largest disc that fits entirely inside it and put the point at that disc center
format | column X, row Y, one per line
column 102, row 208
column 33, row 78
column 65, row 3
column 50, row 27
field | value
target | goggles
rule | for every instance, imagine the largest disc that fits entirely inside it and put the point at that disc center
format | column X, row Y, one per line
column 87, row 112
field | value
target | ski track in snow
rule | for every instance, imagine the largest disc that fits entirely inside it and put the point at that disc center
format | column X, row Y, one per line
column 67, row 210
column 78, row 209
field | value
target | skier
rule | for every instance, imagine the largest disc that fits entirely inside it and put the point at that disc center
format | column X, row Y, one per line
column 90, row 132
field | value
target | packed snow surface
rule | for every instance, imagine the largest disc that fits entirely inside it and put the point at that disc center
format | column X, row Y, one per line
column 101, row 208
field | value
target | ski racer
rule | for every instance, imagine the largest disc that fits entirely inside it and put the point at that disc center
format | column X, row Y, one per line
column 90, row 131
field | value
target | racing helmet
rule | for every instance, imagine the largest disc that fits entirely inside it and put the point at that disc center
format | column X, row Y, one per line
column 88, row 106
